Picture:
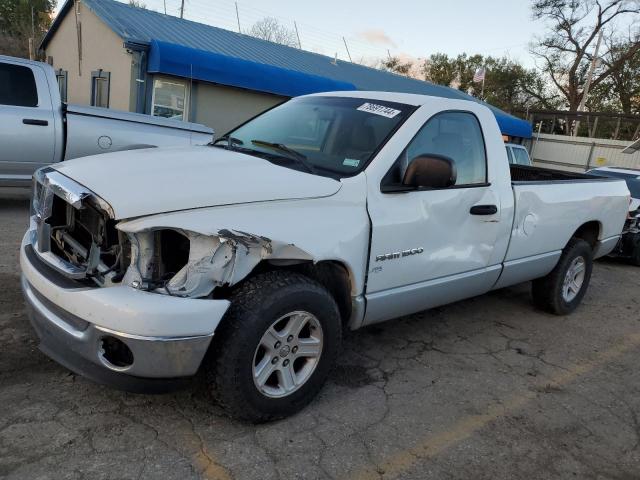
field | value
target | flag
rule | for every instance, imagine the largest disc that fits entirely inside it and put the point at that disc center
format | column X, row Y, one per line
column 479, row 75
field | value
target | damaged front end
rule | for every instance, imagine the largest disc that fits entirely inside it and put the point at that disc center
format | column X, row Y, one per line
column 76, row 233
column 189, row 264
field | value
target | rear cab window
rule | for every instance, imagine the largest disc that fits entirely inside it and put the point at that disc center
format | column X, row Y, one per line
column 509, row 154
column 17, row 86
column 521, row 156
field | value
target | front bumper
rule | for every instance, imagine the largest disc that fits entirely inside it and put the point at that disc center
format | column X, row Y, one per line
column 166, row 336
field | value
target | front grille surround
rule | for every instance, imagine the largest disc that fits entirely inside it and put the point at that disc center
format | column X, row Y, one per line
column 74, row 229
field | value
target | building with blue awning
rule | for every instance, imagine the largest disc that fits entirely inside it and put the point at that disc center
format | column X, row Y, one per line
column 163, row 65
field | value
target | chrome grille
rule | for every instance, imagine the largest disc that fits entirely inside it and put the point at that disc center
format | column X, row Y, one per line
column 74, row 229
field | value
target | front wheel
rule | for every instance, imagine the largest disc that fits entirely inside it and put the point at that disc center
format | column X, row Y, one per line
column 275, row 347
column 562, row 290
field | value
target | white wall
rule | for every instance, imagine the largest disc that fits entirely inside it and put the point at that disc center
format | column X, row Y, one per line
column 578, row 154
column 223, row 108
column 101, row 49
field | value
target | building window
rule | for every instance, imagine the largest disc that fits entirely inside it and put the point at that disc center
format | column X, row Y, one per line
column 170, row 99
column 61, row 77
column 100, row 83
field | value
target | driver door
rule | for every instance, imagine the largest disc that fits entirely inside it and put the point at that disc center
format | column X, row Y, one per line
column 430, row 247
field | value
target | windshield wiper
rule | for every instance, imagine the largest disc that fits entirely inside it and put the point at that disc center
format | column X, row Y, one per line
column 231, row 141
column 291, row 153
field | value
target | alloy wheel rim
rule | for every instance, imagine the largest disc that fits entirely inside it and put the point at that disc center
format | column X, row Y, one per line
column 574, row 279
column 287, row 354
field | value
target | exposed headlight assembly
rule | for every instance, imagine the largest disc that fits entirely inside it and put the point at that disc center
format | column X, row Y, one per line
column 189, row 264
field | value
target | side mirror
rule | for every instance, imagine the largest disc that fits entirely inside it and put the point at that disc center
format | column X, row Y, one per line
column 430, row 171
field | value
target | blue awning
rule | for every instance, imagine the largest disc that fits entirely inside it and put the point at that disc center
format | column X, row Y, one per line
column 206, row 66
column 510, row 125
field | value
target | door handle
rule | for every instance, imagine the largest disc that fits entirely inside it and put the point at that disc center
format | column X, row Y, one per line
column 483, row 210
column 34, row 121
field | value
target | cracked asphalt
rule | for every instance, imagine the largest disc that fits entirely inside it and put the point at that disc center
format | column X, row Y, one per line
column 486, row 388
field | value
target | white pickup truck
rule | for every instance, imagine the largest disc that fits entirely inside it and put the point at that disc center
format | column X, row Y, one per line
column 37, row 129
column 249, row 256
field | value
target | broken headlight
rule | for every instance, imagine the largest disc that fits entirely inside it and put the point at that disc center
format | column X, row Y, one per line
column 187, row 264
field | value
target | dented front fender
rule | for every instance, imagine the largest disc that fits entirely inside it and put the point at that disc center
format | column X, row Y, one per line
column 226, row 243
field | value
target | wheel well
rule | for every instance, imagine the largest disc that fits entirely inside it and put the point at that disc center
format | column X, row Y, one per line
column 589, row 232
column 335, row 278
column 332, row 275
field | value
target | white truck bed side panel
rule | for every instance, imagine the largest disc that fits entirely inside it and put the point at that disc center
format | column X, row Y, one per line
column 92, row 134
column 548, row 214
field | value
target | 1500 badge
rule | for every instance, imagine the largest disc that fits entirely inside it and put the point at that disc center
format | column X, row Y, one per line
column 395, row 255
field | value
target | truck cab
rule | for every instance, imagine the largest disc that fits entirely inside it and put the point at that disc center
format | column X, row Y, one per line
column 32, row 127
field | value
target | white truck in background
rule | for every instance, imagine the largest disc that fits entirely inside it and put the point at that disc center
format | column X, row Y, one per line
column 37, row 129
column 334, row 210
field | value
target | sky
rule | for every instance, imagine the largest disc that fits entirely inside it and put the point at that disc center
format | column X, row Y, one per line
column 406, row 28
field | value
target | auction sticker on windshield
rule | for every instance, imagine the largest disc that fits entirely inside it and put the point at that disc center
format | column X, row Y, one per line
column 350, row 162
column 378, row 110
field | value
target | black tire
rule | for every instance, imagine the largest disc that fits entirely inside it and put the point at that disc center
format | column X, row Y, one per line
column 547, row 291
column 255, row 306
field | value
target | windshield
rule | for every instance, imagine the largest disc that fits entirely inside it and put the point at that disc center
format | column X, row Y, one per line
column 331, row 136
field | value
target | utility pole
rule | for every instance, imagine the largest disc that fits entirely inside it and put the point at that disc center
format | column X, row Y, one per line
column 238, row 18
column 297, row 35
column 347, row 48
column 165, row 6
column 182, row 9
column 587, row 83
column 32, row 52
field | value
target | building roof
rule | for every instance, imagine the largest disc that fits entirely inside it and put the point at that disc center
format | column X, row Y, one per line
column 185, row 48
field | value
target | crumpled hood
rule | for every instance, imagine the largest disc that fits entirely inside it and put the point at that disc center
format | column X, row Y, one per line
column 145, row 182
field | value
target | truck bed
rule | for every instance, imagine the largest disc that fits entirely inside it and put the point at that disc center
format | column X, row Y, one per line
column 550, row 206
column 93, row 130
column 526, row 174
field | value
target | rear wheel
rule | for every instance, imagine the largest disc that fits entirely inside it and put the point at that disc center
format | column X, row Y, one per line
column 275, row 347
column 562, row 290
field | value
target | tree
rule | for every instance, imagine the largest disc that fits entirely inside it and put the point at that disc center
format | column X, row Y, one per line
column 442, row 70
column 508, row 85
column 21, row 20
column 396, row 65
column 624, row 82
column 566, row 50
column 272, row 30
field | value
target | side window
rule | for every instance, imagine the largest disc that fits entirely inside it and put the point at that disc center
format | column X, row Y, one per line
column 456, row 135
column 61, row 77
column 170, row 99
column 17, row 86
column 522, row 157
column 100, row 83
